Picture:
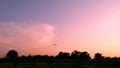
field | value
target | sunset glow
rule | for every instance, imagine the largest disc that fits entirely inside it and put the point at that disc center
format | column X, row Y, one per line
column 34, row 26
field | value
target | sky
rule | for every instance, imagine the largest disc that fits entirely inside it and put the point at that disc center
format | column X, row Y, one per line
column 50, row 26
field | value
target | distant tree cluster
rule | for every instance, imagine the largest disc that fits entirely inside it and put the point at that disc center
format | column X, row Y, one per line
column 74, row 55
column 12, row 54
column 62, row 56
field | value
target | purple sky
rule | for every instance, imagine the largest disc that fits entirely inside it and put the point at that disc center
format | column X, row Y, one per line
column 33, row 26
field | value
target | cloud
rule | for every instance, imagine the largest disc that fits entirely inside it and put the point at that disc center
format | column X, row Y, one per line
column 22, row 36
column 107, row 25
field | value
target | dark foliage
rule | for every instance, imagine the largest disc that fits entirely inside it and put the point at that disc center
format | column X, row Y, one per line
column 12, row 54
column 75, row 58
column 75, row 54
column 63, row 55
column 84, row 56
column 98, row 56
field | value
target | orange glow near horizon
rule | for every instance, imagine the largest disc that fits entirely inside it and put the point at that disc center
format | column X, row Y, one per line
column 92, row 26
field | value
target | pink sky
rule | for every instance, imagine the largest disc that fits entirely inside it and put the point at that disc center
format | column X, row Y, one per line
column 99, row 31
column 84, row 25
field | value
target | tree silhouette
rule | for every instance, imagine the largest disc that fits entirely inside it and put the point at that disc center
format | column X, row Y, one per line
column 75, row 58
column 63, row 55
column 84, row 56
column 12, row 54
column 23, row 57
column 98, row 56
column 75, row 54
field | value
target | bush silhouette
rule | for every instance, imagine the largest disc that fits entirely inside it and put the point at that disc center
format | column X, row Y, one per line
column 63, row 55
column 12, row 54
column 98, row 56
column 75, row 54
column 85, row 56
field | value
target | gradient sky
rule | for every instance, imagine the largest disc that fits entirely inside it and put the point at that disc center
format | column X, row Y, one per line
column 34, row 26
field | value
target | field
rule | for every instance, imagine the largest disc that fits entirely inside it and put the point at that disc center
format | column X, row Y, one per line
column 57, row 65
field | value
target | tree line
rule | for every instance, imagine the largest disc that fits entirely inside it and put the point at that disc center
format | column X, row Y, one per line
column 13, row 54
column 75, row 56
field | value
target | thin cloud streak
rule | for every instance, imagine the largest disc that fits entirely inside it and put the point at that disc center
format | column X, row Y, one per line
column 22, row 36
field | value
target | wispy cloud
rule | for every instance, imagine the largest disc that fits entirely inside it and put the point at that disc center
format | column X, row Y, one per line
column 23, row 36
